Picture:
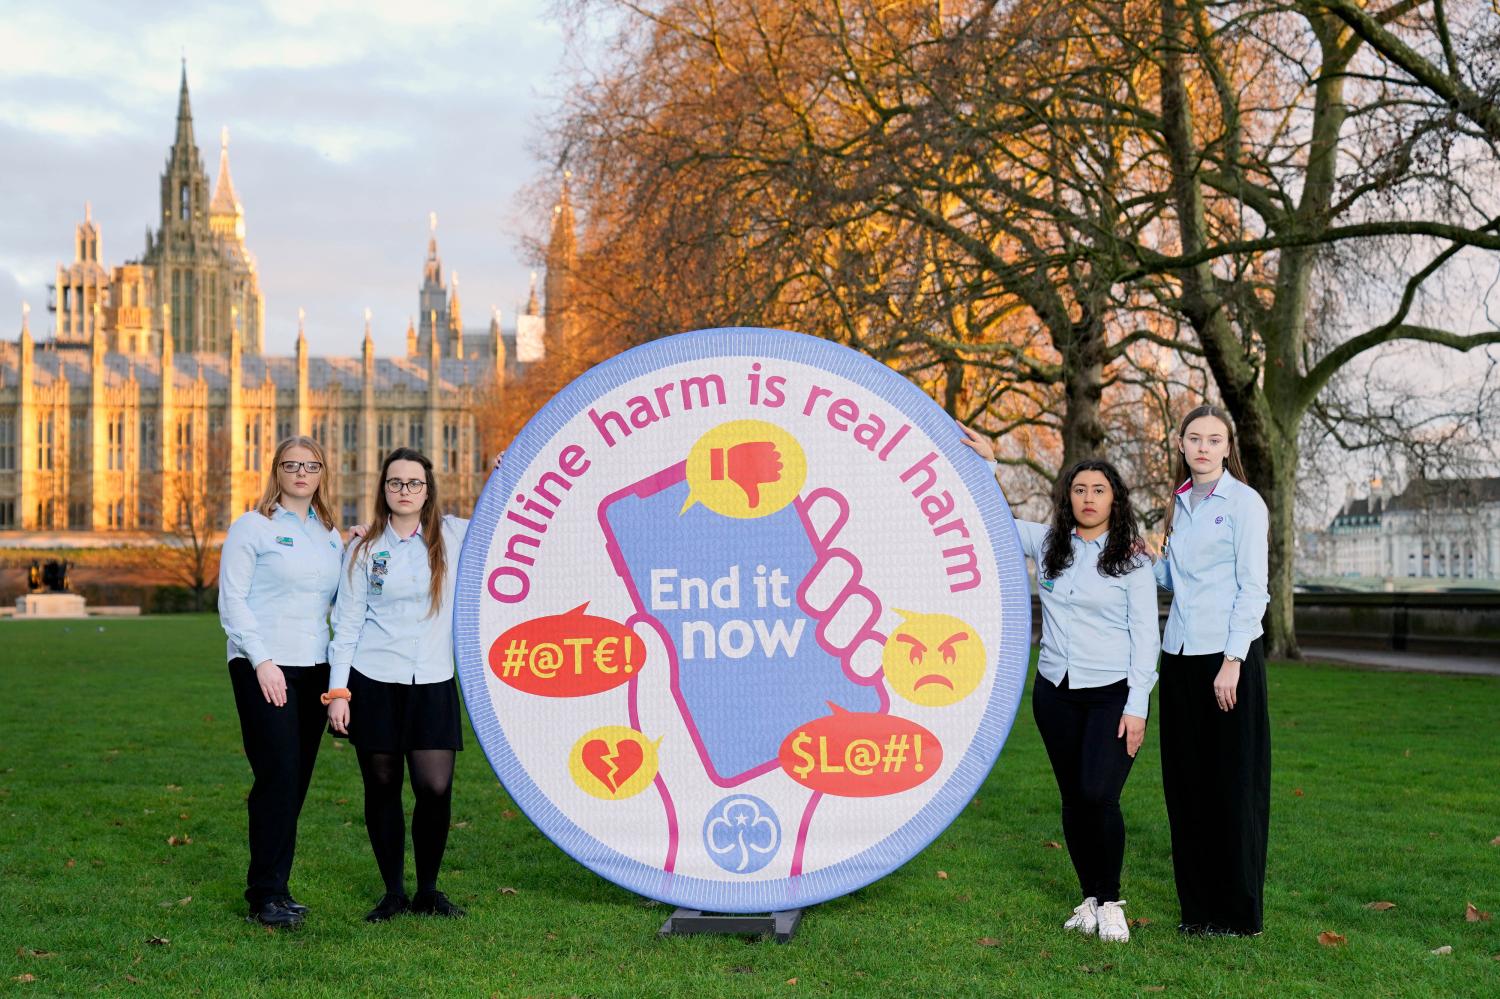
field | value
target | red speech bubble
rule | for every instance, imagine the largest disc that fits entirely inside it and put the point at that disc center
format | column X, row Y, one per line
column 567, row 655
column 860, row 754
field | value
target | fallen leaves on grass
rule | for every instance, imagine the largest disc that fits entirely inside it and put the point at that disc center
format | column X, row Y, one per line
column 507, row 814
column 507, row 890
column 1051, row 844
column 1328, row 938
column 174, row 787
column 1442, row 951
column 71, row 863
column 942, row 875
column 461, row 825
column 1140, row 921
column 1380, row 906
column 551, row 935
column 1495, row 841
column 132, row 980
column 988, row 942
column 158, row 941
column 33, row 952
column 1297, row 792
column 1154, row 988
column 183, row 840
column 1475, row 915
column 26, row 977
column 791, row 981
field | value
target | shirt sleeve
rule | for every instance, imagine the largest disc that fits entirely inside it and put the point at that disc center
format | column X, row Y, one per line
column 1033, row 540
column 348, row 619
column 1251, row 528
column 1161, row 567
column 1145, row 640
column 236, row 571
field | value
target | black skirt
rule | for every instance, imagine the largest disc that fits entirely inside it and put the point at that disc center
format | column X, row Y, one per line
column 399, row 717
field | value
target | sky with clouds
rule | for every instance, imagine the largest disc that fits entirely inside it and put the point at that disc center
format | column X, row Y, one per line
column 348, row 123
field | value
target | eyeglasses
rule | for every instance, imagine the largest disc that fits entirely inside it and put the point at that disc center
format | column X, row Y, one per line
column 409, row 486
column 293, row 467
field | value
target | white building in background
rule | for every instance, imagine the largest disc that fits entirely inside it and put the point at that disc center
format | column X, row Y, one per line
column 1438, row 529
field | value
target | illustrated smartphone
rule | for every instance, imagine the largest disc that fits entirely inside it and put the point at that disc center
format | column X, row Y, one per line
column 743, row 675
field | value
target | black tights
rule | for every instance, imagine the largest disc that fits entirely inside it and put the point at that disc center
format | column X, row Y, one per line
column 432, row 783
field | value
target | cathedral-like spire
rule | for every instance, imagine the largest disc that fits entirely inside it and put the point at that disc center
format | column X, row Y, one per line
column 184, row 141
column 561, row 257
column 226, row 216
column 533, row 307
column 225, row 201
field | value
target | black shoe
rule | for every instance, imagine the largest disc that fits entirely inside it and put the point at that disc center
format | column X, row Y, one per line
column 390, row 904
column 293, row 905
column 1192, row 929
column 274, row 912
column 435, row 903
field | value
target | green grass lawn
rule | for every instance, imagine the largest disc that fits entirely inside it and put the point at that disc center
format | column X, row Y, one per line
column 116, row 736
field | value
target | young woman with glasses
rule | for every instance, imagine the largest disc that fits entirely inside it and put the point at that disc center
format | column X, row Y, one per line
column 391, row 687
column 278, row 572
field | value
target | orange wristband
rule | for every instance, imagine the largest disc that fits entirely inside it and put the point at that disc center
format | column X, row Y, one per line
column 336, row 693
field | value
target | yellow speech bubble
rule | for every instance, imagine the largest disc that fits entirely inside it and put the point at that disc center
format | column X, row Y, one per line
column 613, row 762
column 745, row 469
column 933, row 659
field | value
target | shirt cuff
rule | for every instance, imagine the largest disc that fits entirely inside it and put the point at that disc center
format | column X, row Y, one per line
column 257, row 653
column 1138, row 703
column 1238, row 645
column 338, row 675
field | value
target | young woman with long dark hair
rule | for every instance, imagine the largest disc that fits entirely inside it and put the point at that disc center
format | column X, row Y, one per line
column 1095, row 671
column 391, row 688
column 1215, row 726
column 278, row 572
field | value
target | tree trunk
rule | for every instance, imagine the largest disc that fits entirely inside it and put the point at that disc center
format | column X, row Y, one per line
column 1270, row 459
column 1083, row 432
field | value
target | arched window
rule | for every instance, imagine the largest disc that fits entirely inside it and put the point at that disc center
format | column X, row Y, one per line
column 183, row 209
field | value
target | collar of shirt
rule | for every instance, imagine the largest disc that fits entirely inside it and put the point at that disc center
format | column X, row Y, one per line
column 1096, row 542
column 312, row 515
column 392, row 538
column 1227, row 487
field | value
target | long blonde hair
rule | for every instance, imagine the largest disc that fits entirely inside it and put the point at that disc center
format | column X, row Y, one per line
column 271, row 495
column 431, row 520
column 1180, row 470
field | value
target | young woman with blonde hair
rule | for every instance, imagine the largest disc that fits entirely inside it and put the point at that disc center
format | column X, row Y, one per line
column 1215, row 727
column 278, row 573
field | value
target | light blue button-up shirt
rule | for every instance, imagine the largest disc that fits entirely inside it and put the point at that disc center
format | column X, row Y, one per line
column 382, row 625
column 1096, row 629
column 1215, row 566
column 277, row 578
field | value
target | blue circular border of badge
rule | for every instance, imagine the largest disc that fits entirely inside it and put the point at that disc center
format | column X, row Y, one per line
column 1011, row 663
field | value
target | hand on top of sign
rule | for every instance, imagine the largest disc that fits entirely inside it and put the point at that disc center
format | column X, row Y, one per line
column 977, row 442
column 499, row 456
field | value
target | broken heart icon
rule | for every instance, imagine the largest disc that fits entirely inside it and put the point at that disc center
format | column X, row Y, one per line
column 612, row 767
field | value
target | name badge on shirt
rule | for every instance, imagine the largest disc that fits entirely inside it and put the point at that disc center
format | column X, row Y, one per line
column 379, row 566
column 1047, row 584
column 284, row 541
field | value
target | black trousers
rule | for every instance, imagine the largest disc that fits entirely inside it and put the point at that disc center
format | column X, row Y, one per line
column 1216, row 775
column 1080, row 729
column 281, row 745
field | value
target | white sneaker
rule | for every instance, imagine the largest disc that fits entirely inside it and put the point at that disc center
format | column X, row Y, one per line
column 1085, row 918
column 1112, row 922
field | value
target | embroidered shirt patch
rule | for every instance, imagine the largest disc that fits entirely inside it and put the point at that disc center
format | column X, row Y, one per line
column 284, row 541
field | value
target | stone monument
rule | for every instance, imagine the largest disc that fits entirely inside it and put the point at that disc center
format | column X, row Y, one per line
column 49, row 596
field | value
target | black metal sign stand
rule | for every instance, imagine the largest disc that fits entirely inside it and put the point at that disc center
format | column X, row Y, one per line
column 685, row 922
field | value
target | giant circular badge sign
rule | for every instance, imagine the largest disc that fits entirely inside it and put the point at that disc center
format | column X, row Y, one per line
column 741, row 623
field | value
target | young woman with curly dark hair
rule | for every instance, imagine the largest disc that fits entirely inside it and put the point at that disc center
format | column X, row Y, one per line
column 1100, row 641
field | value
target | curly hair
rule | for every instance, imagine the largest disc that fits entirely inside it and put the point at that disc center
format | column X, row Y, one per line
column 1122, row 548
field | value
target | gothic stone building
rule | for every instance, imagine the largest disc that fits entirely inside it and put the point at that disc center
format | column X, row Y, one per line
column 153, row 407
